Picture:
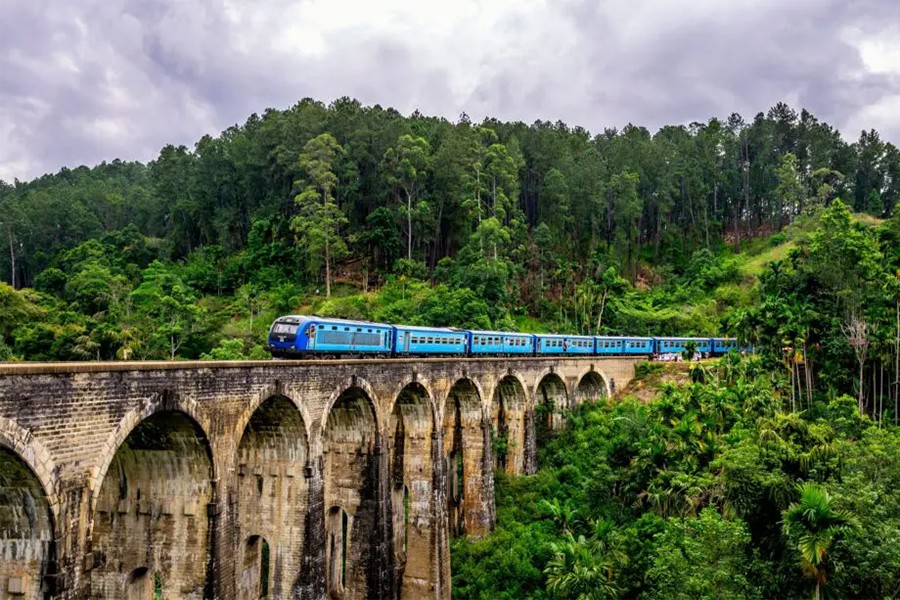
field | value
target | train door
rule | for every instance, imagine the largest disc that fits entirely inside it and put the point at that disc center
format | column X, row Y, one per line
column 311, row 342
column 403, row 341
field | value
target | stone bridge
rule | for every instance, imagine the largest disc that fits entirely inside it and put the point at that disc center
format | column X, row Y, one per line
column 304, row 479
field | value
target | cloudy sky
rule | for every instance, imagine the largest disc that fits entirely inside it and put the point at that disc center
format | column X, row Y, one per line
column 83, row 81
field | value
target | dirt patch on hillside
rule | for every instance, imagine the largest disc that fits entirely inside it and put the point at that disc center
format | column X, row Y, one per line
column 652, row 376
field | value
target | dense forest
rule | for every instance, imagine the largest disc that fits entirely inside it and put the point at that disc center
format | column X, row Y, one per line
column 769, row 476
column 713, row 490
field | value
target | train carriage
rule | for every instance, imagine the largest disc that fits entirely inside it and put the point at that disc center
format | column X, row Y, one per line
column 627, row 346
column 294, row 335
column 500, row 342
column 676, row 345
column 724, row 345
column 412, row 340
column 565, row 344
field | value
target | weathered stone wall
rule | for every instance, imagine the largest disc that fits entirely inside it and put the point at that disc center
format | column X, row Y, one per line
column 196, row 476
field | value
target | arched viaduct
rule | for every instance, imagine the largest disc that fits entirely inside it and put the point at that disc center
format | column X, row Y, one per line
column 312, row 479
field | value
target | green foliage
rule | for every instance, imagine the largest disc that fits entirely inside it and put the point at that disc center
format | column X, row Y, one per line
column 703, row 557
column 708, row 491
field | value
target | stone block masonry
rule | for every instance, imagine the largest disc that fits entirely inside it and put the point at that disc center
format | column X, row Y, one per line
column 294, row 479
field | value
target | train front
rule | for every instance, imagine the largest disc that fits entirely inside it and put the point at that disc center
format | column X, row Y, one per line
column 284, row 341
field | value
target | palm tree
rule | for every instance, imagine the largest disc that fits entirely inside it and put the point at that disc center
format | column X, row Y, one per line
column 563, row 515
column 811, row 526
column 584, row 568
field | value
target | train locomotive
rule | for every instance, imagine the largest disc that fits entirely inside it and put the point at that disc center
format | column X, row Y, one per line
column 301, row 336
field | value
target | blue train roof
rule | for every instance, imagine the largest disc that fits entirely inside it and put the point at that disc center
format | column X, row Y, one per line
column 564, row 335
column 486, row 332
column 423, row 328
column 307, row 318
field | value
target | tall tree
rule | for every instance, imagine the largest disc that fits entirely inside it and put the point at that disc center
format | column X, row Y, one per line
column 320, row 219
column 407, row 166
column 790, row 189
column 811, row 525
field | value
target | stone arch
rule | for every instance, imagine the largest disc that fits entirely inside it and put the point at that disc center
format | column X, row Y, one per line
column 153, row 509
column 509, row 433
column 551, row 401
column 22, row 443
column 266, row 394
column 255, row 571
column 467, row 460
column 592, row 386
column 411, row 426
column 355, row 385
column 272, row 496
column 351, row 457
column 164, row 401
column 27, row 529
column 141, row 584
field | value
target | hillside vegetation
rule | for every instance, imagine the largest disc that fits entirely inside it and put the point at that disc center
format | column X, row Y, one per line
column 711, row 490
column 359, row 211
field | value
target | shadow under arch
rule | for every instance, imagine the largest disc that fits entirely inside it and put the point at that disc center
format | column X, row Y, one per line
column 163, row 402
column 411, row 467
column 266, row 394
column 272, row 498
column 29, row 450
column 467, row 461
column 509, row 436
column 591, row 387
column 351, row 473
column 27, row 529
column 152, row 509
column 551, row 402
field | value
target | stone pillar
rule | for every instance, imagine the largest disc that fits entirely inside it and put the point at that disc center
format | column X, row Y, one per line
column 310, row 584
column 530, row 450
column 440, row 523
column 489, row 508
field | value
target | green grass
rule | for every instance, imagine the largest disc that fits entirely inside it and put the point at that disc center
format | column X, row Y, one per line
column 755, row 265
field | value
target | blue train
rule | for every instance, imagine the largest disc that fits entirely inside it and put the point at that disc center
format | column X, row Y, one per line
column 298, row 336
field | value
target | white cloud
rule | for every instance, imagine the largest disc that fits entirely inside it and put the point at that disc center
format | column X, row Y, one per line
column 95, row 80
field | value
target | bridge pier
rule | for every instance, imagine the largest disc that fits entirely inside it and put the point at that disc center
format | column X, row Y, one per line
column 293, row 479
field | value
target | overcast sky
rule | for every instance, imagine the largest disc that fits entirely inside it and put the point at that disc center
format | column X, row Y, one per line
column 83, row 81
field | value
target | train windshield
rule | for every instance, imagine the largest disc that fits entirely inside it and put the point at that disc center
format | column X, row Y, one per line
column 285, row 328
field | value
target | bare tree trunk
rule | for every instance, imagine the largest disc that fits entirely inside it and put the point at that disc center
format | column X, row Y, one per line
column 859, row 397
column 793, row 398
column 327, row 269
column 808, row 372
column 857, row 334
column 12, row 257
column 408, row 225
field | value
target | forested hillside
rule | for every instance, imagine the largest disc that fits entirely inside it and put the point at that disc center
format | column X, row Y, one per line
column 362, row 212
